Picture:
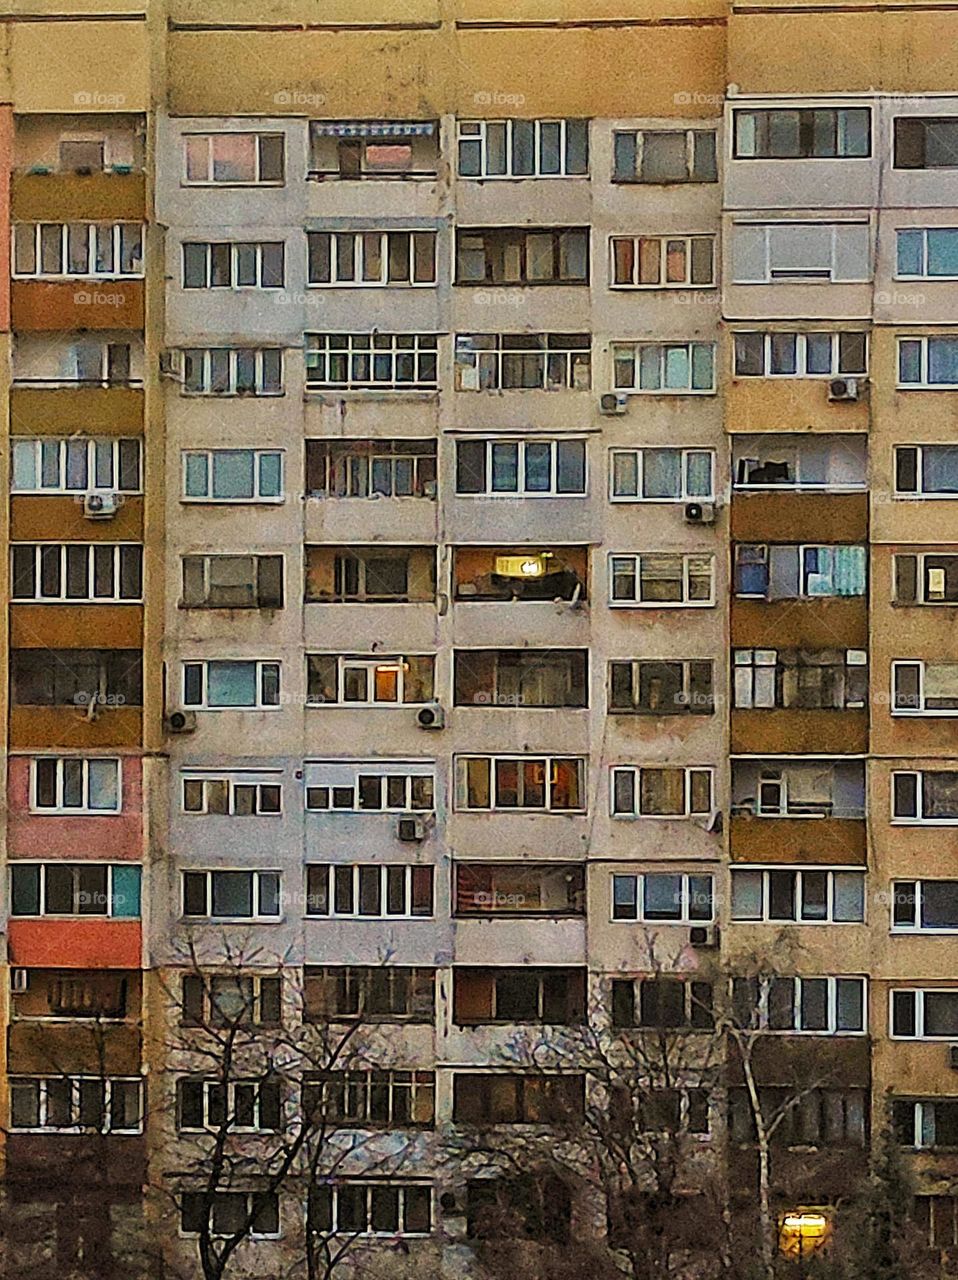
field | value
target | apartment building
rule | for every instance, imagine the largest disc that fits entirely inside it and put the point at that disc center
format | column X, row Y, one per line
column 478, row 569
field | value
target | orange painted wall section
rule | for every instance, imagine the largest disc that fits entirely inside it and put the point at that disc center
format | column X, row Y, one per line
column 53, row 306
column 6, row 165
column 76, row 944
column 117, row 837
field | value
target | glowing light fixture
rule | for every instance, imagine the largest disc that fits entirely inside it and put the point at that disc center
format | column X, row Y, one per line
column 803, row 1232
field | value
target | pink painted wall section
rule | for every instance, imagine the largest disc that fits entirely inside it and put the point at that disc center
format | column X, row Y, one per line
column 118, row 837
column 6, row 166
column 75, row 944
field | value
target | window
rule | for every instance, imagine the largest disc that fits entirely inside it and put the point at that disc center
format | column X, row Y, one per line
column 666, row 897
column 372, row 361
column 234, row 265
column 236, row 796
column 377, row 890
column 928, row 362
column 73, row 465
column 925, row 795
column 383, row 993
column 250, row 1106
column 356, row 149
column 677, row 368
column 803, row 679
column 233, row 371
column 924, row 688
column 232, row 475
column 108, row 678
column 659, row 687
column 671, row 1110
column 664, row 156
column 347, row 259
column 526, row 468
column 370, row 786
column 379, row 1208
column 926, row 142
column 99, row 250
column 507, row 889
column 100, row 1104
column 551, row 783
column 232, row 895
column 333, row 680
column 103, row 995
column 662, row 262
column 96, row 363
column 783, row 572
column 918, row 1014
column 372, row 1099
column 371, row 468
column 539, row 255
column 842, row 133
column 927, row 253
column 523, row 148
column 928, row 578
column 234, row 159
column 229, row 1212
column 937, row 1218
column 813, row 1006
column 551, row 997
column 510, row 1098
column 521, row 678
column 926, row 1125
column 770, row 252
column 662, row 475
column 823, row 1117
column 81, row 155
column 926, row 470
column 652, row 792
column 232, row 582
column 925, row 906
column 95, row 573
column 231, row 1000
column 523, row 361
column 379, row 574
column 75, row 889
column 814, row 895
column 74, row 784
column 811, row 354
column 665, row 1004
column 218, row 685
column 662, row 580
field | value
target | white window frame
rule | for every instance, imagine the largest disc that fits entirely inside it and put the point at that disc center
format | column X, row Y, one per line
column 60, row 808
column 89, row 599
column 360, row 1081
column 686, row 494
column 921, row 710
column 258, row 456
column 801, row 354
column 233, row 353
column 917, row 1142
column 835, row 108
column 460, row 760
column 636, row 771
column 917, row 895
column 750, row 661
column 62, row 443
column 382, row 868
column 370, row 1185
column 686, row 239
column 342, row 775
column 919, row 993
column 921, row 581
column 924, row 273
column 685, row 603
column 91, row 273
column 346, row 662
column 211, row 139
column 919, row 819
column 259, row 705
column 639, row 137
column 801, row 548
column 43, row 1082
column 796, row 1029
column 423, row 346
column 919, row 493
column 522, row 444
column 256, row 781
column 231, row 1087
column 685, row 918
column 358, row 279
column 923, row 384
column 799, row 872
column 689, row 699
column 255, row 879
column 774, row 276
column 471, row 130
column 486, row 363
column 662, row 348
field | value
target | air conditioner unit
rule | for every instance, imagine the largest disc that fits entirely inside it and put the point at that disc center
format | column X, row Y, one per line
column 19, row 979
column 431, row 716
column 842, row 390
column 704, row 937
column 613, row 403
column 170, row 364
column 100, row 504
column 953, row 1056
column 181, row 722
column 410, row 829
column 700, row 512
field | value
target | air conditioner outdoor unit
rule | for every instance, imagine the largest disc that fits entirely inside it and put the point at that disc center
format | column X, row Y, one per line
column 953, row 1056
column 100, row 504
column 181, row 722
column 19, row 979
column 613, row 403
column 431, row 716
column 410, row 829
column 700, row 512
column 842, row 390
column 704, row 937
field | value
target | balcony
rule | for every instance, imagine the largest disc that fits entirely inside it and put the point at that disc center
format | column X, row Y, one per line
column 789, row 515
column 541, row 594
column 107, row 196
column 803, row 623
column 795, row 811
column 81, row 626
column 767, row 731
column 56, row 306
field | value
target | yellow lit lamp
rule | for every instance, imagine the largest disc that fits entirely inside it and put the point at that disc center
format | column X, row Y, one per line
column 528, row 567
column 803, row 1233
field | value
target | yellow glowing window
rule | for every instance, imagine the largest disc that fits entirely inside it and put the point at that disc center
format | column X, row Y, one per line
column 803, row 1233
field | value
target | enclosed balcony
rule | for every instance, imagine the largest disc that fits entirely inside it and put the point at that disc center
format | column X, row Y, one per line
column 800, row 488
column 799, row 700
column 793, row 810
column 78, row 167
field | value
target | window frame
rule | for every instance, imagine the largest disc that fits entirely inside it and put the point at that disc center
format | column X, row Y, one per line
column 358, row 279
column 479, row 135
column 423, row 349
column 687, row 240
column 91, row 273
column 923, row 273
column 685, row 456
column 635, row 771
column 233, row 781
column 802, row 111
column 370, row 1232
column 919, row 819
column 921, row 665
column 357, row 869
column 638, row 137
column 916, row 899
column 235, row 248
column 256, row 893
column 75, row 1081
column 64, row 548
column 801, row 354
column 811, row 275
column 766, row 871
column 371, row 665
column 258, row 457
column 688, row 702
column 207, row 390
column 685, row 603
column 110, row 895
column 662, row 348
column 750, row 665
column 685, row 918
column 361, row 1083
column 63, row 444
column 919, row 493
column 546, row 759
column 765, row 983
column 258, row 135
column 919, row 994
column 373, row 768
column 62, row 810
column 254, row 1233
column 487, row 362
column 923, row 341
column 523, row 444
column 261, row 664
column 230, row 1088
column 800, row 549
